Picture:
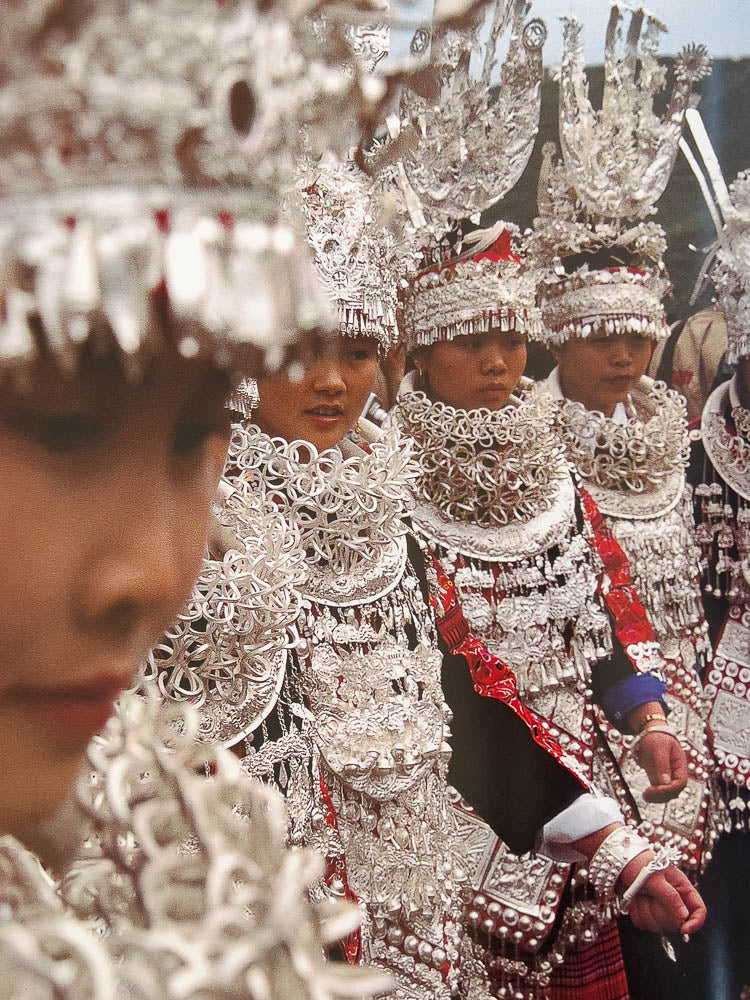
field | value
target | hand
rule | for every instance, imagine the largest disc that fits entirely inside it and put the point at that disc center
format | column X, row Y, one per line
column 666, row 902
column 664, row 761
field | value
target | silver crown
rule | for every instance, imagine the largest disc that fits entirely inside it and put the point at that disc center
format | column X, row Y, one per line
column 615, row 165
column 472, row 143
column 491, row 286
column 143, row 150
column 363, row 248
column 729, row 258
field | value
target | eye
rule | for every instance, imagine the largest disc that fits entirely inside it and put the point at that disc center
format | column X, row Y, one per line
column 361, row 353
column 190, row 437
column 60, row 433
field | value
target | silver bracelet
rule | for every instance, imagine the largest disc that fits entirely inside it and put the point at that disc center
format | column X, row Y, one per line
column 665, row 858
column 612, row 856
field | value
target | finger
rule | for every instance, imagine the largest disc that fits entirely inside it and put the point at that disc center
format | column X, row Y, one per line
column 657, row 761
column 669, row 902
column 663, row 792
column 695, row 921
column 691, row 899
column 679, row 764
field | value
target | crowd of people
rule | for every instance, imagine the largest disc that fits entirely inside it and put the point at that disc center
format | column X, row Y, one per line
column 344, row 658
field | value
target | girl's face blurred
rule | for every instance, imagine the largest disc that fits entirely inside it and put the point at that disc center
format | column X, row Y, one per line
column 105, row 491
column 600, row 371
column 481, row 370
column 321, row 406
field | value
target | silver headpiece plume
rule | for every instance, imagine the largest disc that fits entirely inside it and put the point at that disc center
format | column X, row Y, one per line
column 729, row 257
column 142, row 150
column 616, row 163
column 473, row 142
column 470, row 147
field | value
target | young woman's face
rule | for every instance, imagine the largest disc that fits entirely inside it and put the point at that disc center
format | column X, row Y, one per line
column 481, row 370
column 105, row 491
column 600, row 371
column 324, row 404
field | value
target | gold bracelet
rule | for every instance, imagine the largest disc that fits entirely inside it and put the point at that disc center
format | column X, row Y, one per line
column 653, row 717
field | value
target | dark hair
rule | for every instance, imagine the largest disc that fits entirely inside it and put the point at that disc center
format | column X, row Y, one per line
column 604, row 257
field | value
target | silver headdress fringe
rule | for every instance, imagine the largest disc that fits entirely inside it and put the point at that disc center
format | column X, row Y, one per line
column 364, row 250
column 466, row 296
column 616, row 163
column 143, row 158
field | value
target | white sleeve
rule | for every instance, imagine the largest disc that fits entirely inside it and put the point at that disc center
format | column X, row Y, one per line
column 590, row 812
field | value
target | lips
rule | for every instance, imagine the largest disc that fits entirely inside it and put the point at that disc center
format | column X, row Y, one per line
column 325, row 411
column 325, row 415
column 80, row 709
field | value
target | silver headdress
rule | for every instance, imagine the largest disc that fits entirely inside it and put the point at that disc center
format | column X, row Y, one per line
column 363, row 248
column 185, row 887
column 470, row 147
column 491, row 287
column 729, row 257
column 473, row 142
column 616, row 163
column 141, row 160
column 226, row 653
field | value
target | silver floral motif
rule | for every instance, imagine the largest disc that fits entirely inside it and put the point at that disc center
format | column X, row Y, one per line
column 185, row 886
column 226, row 652
column 320, row 493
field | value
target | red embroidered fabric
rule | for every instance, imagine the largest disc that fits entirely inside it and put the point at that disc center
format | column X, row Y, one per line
column 336, row 869
column 492, row 678
column 632, row 624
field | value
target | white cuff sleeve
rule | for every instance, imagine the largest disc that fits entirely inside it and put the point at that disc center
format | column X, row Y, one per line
column 590, row 812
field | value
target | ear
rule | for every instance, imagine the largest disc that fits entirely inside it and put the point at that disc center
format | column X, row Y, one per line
column 420, row 356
